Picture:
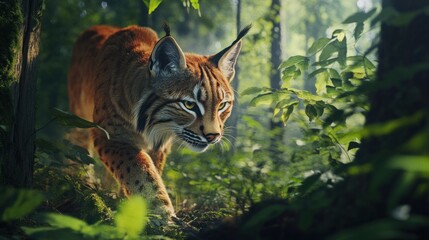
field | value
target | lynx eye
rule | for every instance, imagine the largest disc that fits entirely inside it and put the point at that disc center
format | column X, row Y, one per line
column 222, row 105
column 188, row 104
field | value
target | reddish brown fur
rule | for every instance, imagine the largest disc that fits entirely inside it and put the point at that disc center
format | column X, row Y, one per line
column 109, row 77
column 96, row 91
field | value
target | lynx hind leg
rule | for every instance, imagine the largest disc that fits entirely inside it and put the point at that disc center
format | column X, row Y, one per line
column 136, row 173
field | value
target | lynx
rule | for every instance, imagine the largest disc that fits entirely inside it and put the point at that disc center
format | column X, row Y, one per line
column 148, row 94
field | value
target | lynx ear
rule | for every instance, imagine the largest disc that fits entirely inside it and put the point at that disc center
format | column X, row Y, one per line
column 167, row 58
column 226, row 59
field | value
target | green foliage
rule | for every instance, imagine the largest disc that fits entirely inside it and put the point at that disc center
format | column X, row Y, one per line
column 384, row 229
column 11, row 21
column 334, row 112
column 131, row 218
column 71, row 120
column 130, row 221
column 257, row 221
column 152, row 5
column 18, row 203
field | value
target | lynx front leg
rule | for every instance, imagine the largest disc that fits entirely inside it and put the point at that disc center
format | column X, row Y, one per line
column 159, row 156
column 136, row 172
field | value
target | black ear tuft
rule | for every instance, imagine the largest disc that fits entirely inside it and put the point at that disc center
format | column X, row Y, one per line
column 215, row 59
column 226, row 59
column 166, row 28
column 242, row 33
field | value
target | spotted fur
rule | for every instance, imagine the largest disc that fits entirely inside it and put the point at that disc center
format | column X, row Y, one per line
column 147, row 94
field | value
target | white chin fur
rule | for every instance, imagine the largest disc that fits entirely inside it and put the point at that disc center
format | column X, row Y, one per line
column 196, row 148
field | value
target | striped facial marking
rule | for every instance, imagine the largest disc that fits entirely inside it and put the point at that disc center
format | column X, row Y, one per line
column 196, row 114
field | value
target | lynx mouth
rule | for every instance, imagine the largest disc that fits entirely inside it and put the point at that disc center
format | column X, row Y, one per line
column 195, row 145
column 193, row 141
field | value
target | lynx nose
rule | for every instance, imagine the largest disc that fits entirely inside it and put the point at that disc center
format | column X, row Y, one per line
column 212, row 137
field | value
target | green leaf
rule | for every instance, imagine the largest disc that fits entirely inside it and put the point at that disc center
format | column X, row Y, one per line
column 264, row 98
column 369, row 67
column 334, row 73
column 358, row 30
column 70, row 120
column 131, row 217
column 292, row 61
column 290, row 70
column 311, row 112
column 62, row 221
column 331, row 90
column 102, row 231
column 320, row 107
column 289, row 73
column 359, row 17
column 152, row 5
column 353, row 145
column 43, row 233
column 284, row 103
column 79, row 154
column 305, row 95
column 315, row 72
column 337, row 82
column 17, row 203
column 339, row 34
column 46, row 146
column 342, row 51
column 410, row 163
column 195, row 4
column 318, row 45
column 321, row 81
column 325, row 63
column 251, row 91
column 302, row 66
column 281, row 105
column 286, row 114
column 328, row 50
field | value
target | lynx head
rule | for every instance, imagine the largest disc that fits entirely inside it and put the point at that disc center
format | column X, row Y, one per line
column 191, row 94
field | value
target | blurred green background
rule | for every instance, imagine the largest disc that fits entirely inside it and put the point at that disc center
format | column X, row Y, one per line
column 229, row 177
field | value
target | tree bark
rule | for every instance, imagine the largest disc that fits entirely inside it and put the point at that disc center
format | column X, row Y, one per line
column 275, row 80
column 18, row 165
column 233, row 120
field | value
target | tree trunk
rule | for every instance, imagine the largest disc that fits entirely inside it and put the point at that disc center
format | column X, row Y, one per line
column 18, row 164
column 275, row 80
column 233, row 120
column 144, row 18
column 399, row 92
column 402, row 84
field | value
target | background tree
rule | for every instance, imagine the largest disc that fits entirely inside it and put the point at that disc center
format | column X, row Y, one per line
column 21, row 25
column 275, row 79
column 235, row 115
